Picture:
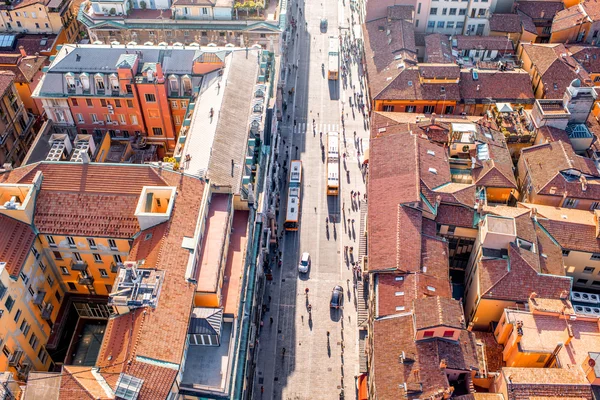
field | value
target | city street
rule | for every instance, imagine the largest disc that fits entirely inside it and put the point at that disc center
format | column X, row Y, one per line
column 315, row 356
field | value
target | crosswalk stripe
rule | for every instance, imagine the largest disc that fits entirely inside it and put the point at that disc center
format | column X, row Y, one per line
column 303, row 127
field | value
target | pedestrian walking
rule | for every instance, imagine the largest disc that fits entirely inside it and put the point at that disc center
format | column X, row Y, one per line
column 262, row 389
column 271, row 320
column 269, row 299
column 352, row 191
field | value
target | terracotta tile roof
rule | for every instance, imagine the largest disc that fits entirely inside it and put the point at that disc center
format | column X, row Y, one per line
column 568, row 18
column 401, row 164
column 480, row 395
column 431, row 312
column 546, row 382
column 552, row 134
column 401, row 12
column 510, row 23
column 527, row 23
column 544, row 164
column 493, row 350
column 438, row 49
column 501, row 43
column 457, row 193
column 455, row 216
column 7, row 79
column 407, row 85
column 79, row 382
column 572, row 229
column 383, row 56
column 501, row 86
column 439, row 71
column 556, row 67
column 587, row 56
column 540, row 10
column 394, row 335
column 16, row 239
column 592, row 9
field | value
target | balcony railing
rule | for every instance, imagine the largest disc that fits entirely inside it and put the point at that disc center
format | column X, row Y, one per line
column 85, row 280
column 39, row 298
column 114, row 267
column 79, row 265
column 47, row 312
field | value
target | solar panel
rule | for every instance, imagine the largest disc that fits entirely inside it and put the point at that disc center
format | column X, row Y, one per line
column 7, row 41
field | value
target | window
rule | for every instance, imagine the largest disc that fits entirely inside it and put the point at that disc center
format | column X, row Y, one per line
column 30, row 290
column 452, row 11
column 112, row 244
column 462, row 11
column 428, row 334
column 97, row 257
column 24, row 327
column 428, row 109
column 133, row 119
column 419, row 8
column 71, row 241
column 47, row 26
column 108, row 118
column 588, row 270
column 17, row 316
column 35, row 253
column 448, row 333
column 64, row 270
column 6, row 351
column 173, row 84
column 99, row 83
column 91, row 243
column 89, row 102
column 50, row 240
column 57, row 255
column 450, row 24
column 50, row 280
column 33, row 341
column 177, row 119
column 449, row 110
column 417, row 23
column 117, row 258
column 596, row 204
column 42, row 266
column 108, row 288
column 433, row 11
column 103, row 273
column 77, row 256
column 582, row 281
column 43, row 355
column 80, row 119
column 157, row 131
column 19, row 24
column 596, row 283
column 542, row 357
column 114, row 82
column 410, row 109
column 94, row 118
column 444, row 11
column 24, row 277
column 460, row 25
column 129, row 103
column 174, row 104
column 595, row 256
column 388, row 108
column 204, row 10
column 74, row 102
column 481, row 11
column 117, row 103
column 72, row 286
column 150, row 98
column 85, row 81
column 103, row 102
column 183, row 103
column 440, row 24
column 526, row 245
column 9, row 303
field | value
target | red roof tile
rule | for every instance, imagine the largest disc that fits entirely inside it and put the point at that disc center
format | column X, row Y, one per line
column 540, row 10
column 455, row 216
column 438, row 49
column 510, row 23
column 464, row 42
column 431, row 312
column 16, row 239
column 501, row 86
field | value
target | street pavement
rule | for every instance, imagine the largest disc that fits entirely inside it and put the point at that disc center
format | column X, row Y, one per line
column 314, row 355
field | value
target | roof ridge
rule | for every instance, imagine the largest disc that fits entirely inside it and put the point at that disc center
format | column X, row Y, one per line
column 498, row 281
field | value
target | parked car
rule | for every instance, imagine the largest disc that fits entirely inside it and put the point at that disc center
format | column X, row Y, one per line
column 324, row 24
column 337, row 297
column 304, row 263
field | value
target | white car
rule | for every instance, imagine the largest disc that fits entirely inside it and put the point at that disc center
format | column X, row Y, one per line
column 304, row 263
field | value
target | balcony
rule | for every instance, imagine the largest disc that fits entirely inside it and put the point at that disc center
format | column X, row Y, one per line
column 47, row 312
column 85, row 280
column 15, row 358
column 114, row 267
column 39, row 298
column 79, row 265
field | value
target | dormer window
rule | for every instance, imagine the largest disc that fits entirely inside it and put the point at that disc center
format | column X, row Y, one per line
column 525, row 245
column 70, row 78
column 114, row 82
column 99, row 79
column 173, row 84
column 85, row 81
column 187, row 84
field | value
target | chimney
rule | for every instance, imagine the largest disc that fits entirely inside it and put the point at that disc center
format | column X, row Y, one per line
column 519, row 326
column 160, row 76
column 533, row 295
column 443, row 363
column 542, row 14
column 477, row 87
column 470, row 327
column 564, row 294
column 569, row 334
column 22, row 50
column 583, row 181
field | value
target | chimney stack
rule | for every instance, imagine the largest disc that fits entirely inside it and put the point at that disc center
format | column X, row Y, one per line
column 22, row 50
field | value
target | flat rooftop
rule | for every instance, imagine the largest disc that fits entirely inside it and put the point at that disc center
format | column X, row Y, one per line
column 236, row 254
column 207, row 367
column 214, row 241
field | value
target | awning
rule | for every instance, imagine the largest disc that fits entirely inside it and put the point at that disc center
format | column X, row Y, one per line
column 504, row 107
column 363, row 393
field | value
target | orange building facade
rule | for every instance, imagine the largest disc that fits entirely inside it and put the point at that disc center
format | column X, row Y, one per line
column 125, row 92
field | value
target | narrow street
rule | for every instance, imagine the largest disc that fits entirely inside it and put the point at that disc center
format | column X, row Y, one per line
column 302, row 357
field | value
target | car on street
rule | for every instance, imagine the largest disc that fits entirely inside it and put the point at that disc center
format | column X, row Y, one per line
column 337, row 297
column 324, row 24
column 304, row 263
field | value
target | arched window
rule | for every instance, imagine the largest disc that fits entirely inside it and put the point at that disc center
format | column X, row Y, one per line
column 187, row 84
column 114, row 81
column 99, row 79
column 173, row 84
column 70, row 78
column 85, row 81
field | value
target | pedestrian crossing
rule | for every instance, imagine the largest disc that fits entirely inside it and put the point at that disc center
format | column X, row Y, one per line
column 303, row 128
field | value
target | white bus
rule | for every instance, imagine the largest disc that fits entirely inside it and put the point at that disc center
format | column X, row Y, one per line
column 333, row 163
column 292, row 213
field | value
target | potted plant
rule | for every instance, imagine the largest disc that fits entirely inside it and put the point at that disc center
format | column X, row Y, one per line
column 113, row 11
column 143, row 4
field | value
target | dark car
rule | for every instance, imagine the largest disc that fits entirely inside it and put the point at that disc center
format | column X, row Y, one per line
column 337, row 297
column 324, row 24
